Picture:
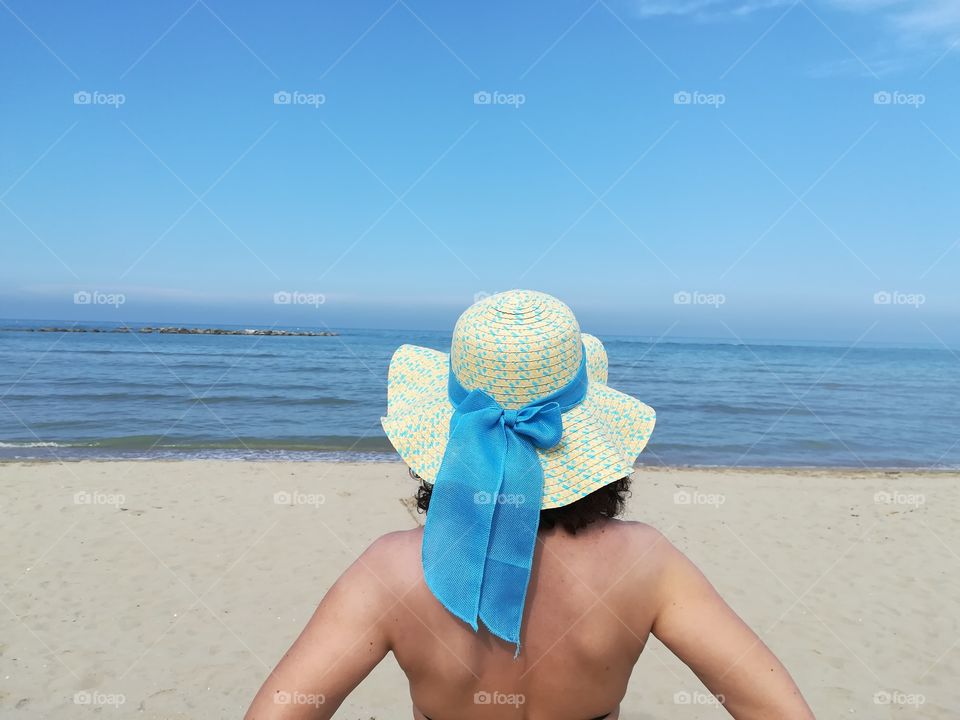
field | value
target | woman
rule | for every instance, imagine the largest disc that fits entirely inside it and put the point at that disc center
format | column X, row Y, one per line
column 522, row 597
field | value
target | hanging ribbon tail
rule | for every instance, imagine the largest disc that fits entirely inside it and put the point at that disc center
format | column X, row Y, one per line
column 513, row 539
column 458, row 526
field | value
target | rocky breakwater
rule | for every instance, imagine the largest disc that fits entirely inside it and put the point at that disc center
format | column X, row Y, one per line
column 147, row 330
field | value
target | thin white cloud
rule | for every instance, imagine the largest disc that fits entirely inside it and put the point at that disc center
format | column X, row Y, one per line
column 911, row 17
column 920, row 17
column 915, row 28
column 920, row 31
column 706, row 9
column 930, row 17
column 868, row 4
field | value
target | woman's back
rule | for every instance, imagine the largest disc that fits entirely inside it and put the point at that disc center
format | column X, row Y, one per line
column 586, row 622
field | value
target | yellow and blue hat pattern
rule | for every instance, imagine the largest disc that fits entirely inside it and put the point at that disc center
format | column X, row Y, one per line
column 519, row 346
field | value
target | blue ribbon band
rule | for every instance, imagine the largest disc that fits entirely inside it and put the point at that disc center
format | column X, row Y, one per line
column 481, row 529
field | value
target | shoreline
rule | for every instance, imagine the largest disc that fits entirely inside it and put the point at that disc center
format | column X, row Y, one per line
column 375, row 459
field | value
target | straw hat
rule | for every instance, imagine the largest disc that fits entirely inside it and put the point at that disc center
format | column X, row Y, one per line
column 519, row 346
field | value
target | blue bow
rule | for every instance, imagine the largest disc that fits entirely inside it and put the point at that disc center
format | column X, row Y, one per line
column 481, row 528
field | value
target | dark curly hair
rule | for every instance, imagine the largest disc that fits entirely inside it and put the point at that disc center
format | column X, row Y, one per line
column 605, row 502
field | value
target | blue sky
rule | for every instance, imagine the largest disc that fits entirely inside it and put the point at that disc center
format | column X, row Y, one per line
column 779, row 165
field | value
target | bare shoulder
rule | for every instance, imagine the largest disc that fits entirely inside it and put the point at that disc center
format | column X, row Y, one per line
column 641, row 541
column 394, row 557
column 395, row 545
column 640, row 533
column 663, row 563
column 377, row 577
column 635, row 556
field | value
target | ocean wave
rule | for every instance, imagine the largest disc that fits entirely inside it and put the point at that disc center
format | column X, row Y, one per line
column 273, row 400
column 218, row 354
column 184, row 394
column 31, row 445
column 322, row 443
column 98, row 397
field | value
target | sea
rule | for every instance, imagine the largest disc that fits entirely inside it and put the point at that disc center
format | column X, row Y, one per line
column 108, row 395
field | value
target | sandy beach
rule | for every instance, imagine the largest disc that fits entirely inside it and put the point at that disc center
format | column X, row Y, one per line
column 167, row 590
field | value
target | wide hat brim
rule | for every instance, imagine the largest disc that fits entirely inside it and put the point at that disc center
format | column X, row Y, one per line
column 602, row 436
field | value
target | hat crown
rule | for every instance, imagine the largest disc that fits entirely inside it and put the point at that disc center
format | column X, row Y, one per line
column 517, row 346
